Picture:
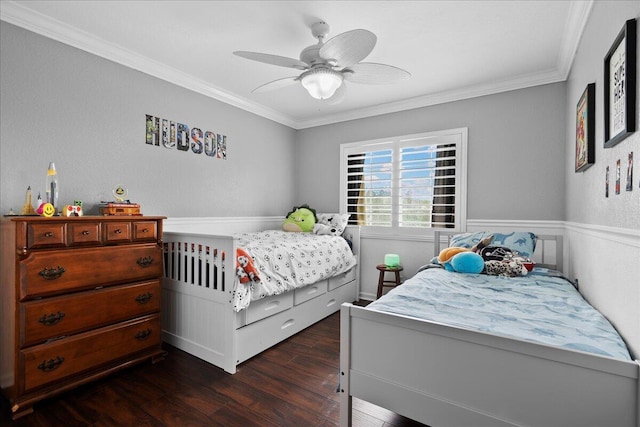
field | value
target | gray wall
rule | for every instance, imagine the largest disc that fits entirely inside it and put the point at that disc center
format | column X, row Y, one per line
column 603, row 234
column 585, row 191
column 87, row 115
column 516, row 151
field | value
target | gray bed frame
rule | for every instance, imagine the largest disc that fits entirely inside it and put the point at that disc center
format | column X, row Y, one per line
column 442, row 375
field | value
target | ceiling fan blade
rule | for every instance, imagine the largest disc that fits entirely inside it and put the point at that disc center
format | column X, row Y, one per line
column 339, row 95
column 374, row 74
column 276, row 84
column 348, row 48
column 267, row 58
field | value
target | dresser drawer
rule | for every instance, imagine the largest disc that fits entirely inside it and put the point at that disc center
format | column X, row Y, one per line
column 83, row 233
column 52, row 272
column 45, row 363
column 64, row 315
column 145, row 230
column 117, row 232
column 46, row 235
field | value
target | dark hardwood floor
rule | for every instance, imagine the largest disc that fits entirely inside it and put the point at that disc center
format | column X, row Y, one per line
column 291, row 384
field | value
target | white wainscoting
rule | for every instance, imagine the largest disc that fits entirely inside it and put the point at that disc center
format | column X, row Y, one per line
column 606, row 262
column 417, row 250
column 222, row 225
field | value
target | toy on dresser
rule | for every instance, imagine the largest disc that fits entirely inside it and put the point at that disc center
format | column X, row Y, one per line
column 121, row 205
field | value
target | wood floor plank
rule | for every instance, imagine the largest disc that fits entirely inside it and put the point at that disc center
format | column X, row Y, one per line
column 291, row 384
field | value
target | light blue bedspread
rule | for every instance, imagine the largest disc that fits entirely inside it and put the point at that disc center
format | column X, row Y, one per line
column 541, row 307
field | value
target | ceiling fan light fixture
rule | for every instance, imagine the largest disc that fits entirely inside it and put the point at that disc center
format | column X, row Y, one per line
column 321, row 83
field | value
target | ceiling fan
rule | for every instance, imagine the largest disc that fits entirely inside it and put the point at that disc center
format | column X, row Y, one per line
column 326, row 65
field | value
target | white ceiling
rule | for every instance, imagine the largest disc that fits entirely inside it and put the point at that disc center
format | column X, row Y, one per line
column 453, row 49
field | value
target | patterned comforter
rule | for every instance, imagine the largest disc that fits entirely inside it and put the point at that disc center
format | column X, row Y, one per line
column 286, row 261
column 542, row 307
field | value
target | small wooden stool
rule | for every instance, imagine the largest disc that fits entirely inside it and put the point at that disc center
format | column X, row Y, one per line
column 387, row 283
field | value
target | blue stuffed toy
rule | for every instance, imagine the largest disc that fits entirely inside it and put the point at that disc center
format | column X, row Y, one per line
column 467, row 262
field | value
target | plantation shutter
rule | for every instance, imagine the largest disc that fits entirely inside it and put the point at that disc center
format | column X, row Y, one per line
column 444, row 188
column 370, row 183
column 403, row 183
column 415, row 185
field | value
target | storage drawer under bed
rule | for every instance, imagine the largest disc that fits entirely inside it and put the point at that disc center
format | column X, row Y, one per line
column 342, row 279
column 274, row 304
column 308, row 292
column 266, row 307
column 258, row 336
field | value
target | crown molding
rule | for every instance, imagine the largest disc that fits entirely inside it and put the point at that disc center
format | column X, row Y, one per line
column 14, row 13
column 17, row 14
column 576, row 22
column 522, row 82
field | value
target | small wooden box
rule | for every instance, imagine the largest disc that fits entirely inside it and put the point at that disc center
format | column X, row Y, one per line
column 120, row 209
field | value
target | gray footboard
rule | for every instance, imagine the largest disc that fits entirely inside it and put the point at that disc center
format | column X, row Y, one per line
column 441, row 375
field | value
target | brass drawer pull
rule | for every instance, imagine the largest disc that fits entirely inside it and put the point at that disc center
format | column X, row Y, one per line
column 51, row 364
column 51, row 319
column 117, row 231
column 85, row 232
column 51, row 273
column 143, row 335
column 145, row 230
column 144, row 298
column 145, row 261
column 48, row 234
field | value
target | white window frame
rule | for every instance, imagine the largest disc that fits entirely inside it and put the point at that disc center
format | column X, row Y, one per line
column 458, row 136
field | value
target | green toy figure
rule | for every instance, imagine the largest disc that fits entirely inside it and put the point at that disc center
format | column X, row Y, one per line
column 300, row 219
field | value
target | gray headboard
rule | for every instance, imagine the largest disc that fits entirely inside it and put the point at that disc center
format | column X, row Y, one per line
column 548, row 251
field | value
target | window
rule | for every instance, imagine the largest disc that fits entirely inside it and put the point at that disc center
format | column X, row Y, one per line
column 406, row 183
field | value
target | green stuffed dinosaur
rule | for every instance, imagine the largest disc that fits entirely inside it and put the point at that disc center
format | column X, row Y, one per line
column 301, row 219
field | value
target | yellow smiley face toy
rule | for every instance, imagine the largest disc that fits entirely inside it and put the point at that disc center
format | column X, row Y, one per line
column 46, row 209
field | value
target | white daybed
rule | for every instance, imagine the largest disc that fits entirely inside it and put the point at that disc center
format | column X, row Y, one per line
column 198, row 284
column 443, row 375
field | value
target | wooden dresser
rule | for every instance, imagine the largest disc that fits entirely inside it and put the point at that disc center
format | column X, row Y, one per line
column 80, row 298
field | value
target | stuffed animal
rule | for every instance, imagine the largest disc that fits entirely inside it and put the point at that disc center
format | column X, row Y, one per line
column 467, row 262
column 482, row 244
column 508, row 268
column 245, row 269
column 502, row 261
column 471, row 262
column 322, row 229
column 330, row 224
column 300, row 219
column 445, row 256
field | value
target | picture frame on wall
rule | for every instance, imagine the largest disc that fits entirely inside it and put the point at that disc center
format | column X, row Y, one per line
column 620, row 86
column 586, row 129
column 630, row 172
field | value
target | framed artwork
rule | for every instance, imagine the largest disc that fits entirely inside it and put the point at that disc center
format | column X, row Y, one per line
column 630, row 172
column 620, row 86
column 586, row 129
column 618, row 176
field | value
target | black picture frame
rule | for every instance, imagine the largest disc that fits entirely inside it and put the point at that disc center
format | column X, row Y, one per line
column 586, row 129
column 620, row 86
